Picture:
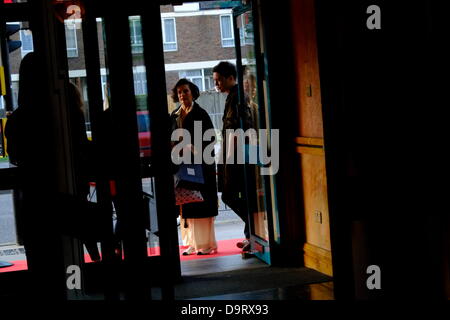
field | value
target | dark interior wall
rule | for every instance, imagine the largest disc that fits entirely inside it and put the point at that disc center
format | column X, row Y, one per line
column 380, row 103
column 437, row 124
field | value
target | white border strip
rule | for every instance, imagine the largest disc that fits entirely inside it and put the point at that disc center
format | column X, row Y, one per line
column 194, row 65
column 168, row 67
column 213, row 12
column 196, row 13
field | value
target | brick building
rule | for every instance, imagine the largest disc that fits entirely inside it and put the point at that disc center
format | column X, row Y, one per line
column 195, row 38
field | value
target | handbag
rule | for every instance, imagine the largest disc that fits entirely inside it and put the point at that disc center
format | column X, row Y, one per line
column 190, row 176
column 183, row 196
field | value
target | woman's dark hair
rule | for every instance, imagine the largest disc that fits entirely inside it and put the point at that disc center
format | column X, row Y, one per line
column 194, row 89
column 226, row 69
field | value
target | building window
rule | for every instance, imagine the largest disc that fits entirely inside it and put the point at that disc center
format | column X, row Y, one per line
column 209, row 82
column 71, row 40
column 26, row 36
column 195, row 76
column 202, row 78
column 136, row 36
column 169, row 34
column 27, row 42
column 140, row 83
column 226, row 30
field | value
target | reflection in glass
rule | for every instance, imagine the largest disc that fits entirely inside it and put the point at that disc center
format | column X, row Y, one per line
column 257, row 196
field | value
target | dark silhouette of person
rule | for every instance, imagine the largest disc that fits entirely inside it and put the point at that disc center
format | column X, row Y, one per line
column 32, row 148
column 22, row 133
column 21, row 120
column 23, row 125
column 82, row 155
column 20, row 151
column 108, row 172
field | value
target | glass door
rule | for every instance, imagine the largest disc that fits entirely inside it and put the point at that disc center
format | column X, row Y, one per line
column 249, row 62
column 125, row 117
column 14, row 45
column 113, row 61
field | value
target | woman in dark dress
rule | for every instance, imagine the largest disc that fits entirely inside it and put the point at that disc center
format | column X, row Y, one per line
column 197, row 219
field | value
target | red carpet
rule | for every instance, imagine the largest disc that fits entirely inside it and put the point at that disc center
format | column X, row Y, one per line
column 18, row 266
column 225, row 248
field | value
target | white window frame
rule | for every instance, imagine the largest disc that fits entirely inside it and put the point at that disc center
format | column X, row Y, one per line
column 164, row 34
column 22, row 35
column 187, row 7
column 204, row 80
column 182, row 74
column 140, row 82
column 104, row 80
column 232, row 32
column 136, row 47
column 69, row 27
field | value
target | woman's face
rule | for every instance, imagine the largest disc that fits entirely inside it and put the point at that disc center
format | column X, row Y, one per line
column 185, row 95
column 246, row 85
column 249, row 86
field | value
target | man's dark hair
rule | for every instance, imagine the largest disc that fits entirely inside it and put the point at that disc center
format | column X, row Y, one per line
column 194, row 89
column 226, row 69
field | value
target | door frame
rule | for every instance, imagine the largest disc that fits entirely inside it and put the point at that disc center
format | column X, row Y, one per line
column 120, row 68
column 261, row 248
column 57, row 73
column 49, row 176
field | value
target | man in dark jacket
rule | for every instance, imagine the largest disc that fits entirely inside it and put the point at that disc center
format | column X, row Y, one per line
column 232, row 175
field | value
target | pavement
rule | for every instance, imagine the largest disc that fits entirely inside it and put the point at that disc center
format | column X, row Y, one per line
column 7, row 221
column 8, row 251
column 4, row 163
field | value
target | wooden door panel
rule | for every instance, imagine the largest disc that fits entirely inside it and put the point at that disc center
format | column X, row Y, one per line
column 315, row 200
column 308, row 84
column 309, row 142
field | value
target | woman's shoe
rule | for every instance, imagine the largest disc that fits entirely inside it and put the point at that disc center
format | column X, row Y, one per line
column 206, row 251
column 188, row 251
